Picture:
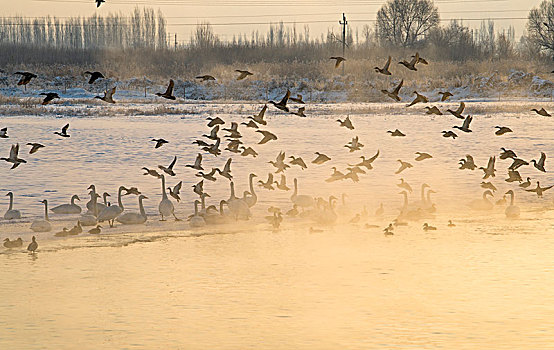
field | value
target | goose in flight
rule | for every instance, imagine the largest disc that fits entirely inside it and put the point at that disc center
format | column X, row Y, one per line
column 433, row 110
column 233, row 145
column 159, row 142
column 63, row 133
column 394, row 93
column 445, row 95
column 168, row 94
column 525, row 184
column 449, row 133
column 505, row 154
column 250, row 124
column 404, row 185
column 226, row 172
column 49, row 97
column 489, row 170
column 458, row 112
column 71, row 208
column 420, row 59
column 25, row 78
column 517, row 163
column 422, row 156
column 282, row 185
column 300, row 112
column 4, row 133
column 282, row 105
column 354, row 145
column 513, row 176
column 467, row 163
column 268, row 185
column 213, row 132
column 542, row 112
column 335, row 176
column 132, row 190
column 298, row 161
column 385, row 69
column 11, row 213
column 108, row 95
column 174, row 192
column 347, row 123
column 248, row 151
column 33, row 246
column 540, row 164
column 99, row 2
column 204, row 78
column 396, row 133
column 465, row 125
column 403, row 166
column 539, row 190
column 320, row 159
column 233, row 131
column 338, row 60
column 412, row 64
column 267, row 136
column 94, row 75
column 14, row 158
column 502, row 130
column 259, row 118
column 368, row 163
column 198, row 188
column 215, row 121
column 488, row 186
column 243, row 74
column 169, row 170
column 297, row 99
column 427, row 227
column 151, row 172
column 209, row 176
column 418, row 99
column 279, row 163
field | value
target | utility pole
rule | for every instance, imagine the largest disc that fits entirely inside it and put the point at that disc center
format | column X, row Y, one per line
column 343, row 23
column 175, row 41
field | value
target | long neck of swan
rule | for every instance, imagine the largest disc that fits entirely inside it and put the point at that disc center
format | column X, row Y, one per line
column 405, row 199
column 252, row 187
column 203, row 199
column 429, row 197
column 195, row 208
column 164, row 195
column 141, row 208
column 119, row 202
column 221, row 208
column 233, row 191
column 46, row 211
column 295, row 188
column 11, row 202
column 511, row 199
column 94, row 201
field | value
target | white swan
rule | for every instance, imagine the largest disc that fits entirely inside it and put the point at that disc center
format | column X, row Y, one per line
column 110, row 213
column 134, row 218
column 89, row 219
column 253, row 198
column 71, row 208
column 483, row 203
column 196, row 220
column 303, row 201
column 238, row 206
column 42, row 225
column 12, row 213
column 512, row 211
column 166, row 207
column 96, row 195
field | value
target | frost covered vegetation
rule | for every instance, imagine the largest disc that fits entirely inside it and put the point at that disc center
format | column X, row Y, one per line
column 135, row 54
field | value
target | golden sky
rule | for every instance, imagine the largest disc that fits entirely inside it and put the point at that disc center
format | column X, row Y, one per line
column 245, row 16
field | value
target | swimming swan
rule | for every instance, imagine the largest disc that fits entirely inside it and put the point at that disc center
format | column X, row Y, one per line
column 134, row 218
column 68, row 208
column 303, row 201
column 42, row 225
column 11, row 213
column 512, row 211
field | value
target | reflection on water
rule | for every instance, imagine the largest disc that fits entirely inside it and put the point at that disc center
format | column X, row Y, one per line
column 485, row 282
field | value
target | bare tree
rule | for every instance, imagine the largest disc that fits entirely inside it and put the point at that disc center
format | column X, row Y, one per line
column 540, row 26
column 406, row 22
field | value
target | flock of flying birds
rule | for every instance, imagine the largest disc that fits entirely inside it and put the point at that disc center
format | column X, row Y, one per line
column 319, row 210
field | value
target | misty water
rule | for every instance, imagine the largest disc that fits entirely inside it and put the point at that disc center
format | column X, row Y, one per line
column 244, row 285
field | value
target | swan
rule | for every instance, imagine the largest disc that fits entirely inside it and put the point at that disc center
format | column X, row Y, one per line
column 42, row 225
column 68, row 208
column 11, row 213
column 196, row 220
column 253, row 198
column 238, row 206
column 422, row 203
column 303, row 201
column 406, row 213
column 100, row 206
column 110, row 213
column 166, row 207
column 483, row 203
column 89, row 219
column 134, row 218
column 328, row 215
column 512, row 211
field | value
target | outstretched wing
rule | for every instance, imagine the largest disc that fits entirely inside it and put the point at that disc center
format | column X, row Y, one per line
column 173, row 162
column 387, row 65
column 461, row 108
column 285, row 99
column 177, row 187
column 169, row 90
column 64, row 129
column 109, row 93
column 397, row 89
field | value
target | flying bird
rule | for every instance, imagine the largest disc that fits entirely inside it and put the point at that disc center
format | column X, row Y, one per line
column 63, row 133
column 418, row 99
column 14, row 158
column 385, row 69
column 94, row 76
column 49, row 97
column 169, row 170
column 347, row 123
column 267, row 136
column 243, row 74
column 108, row 96
column 394, row 93
column 502, row 130
column 159, row 142
column 204, row 78
column 282, row 105
column 168, row 94
column 458, row 112
column 445, row 95
column 338, row 60
column 34, row 147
